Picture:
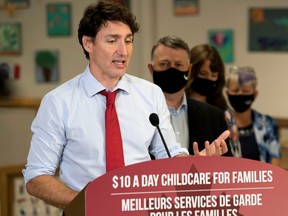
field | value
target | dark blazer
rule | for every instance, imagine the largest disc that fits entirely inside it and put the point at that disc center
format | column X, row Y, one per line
column 206, row 122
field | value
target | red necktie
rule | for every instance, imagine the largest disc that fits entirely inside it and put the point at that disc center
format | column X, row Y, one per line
column 114, row 149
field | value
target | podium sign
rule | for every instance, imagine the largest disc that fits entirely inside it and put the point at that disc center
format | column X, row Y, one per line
column 187, row 186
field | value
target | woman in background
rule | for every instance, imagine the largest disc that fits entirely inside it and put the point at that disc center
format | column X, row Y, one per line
column 258, row 133
column 206, row 84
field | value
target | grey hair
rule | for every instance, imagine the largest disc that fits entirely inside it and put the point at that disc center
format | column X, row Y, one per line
column 172, row 42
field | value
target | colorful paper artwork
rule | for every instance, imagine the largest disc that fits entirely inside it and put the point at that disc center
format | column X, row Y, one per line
column 14, row 3
column 59, row 19
column 186, row 7
column 268, row 29
column 46, row 62
column 10, row 38
column 222, row 40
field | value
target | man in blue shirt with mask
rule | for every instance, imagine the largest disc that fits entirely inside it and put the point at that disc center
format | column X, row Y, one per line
column 192, row 121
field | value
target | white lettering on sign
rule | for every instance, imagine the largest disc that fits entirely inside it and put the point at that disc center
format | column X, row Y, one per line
column 201, row 178
column 176, row 179
column 169, row 213
column 138, row 204
column 184, row 202
column 122, row 181
column 216, row 212
column 247, row 200
column 149, row 180
column 221, row 177
column 252, row 176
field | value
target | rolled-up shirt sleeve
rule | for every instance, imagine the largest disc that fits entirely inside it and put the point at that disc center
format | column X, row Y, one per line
column 47, row 141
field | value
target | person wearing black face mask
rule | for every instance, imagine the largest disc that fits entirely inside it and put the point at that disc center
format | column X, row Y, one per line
column 206, row 83
column 192, row 120
column 257, row 132
column 207, row 77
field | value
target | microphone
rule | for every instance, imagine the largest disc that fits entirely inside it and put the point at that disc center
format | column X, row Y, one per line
column 154, row 120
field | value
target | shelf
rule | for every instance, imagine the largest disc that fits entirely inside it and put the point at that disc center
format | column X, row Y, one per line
column 20, row 102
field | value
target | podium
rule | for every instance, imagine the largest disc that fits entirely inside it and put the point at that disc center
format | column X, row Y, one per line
column 186, row 186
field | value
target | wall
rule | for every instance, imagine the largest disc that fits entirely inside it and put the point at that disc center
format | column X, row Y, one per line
column 15, row 134
column 156, row 19
column 34, row 37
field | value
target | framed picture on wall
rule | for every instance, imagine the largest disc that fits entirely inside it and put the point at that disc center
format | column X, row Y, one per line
column 222, row 40
column 186, row 7
column 46, row 62
column 268, row 29
column 59, row 19
column 10, row 38
column 16, row 3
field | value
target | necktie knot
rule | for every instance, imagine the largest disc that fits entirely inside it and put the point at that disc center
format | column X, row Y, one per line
column 110, row 96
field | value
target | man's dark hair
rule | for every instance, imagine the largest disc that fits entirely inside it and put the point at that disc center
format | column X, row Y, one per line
column 97, row 15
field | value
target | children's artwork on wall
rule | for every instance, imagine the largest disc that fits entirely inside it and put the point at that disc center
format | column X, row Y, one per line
column 222, row 40
column 4, row 70
column 46, row 62
column 25, row 204
column 15, row 200
column 15, row 3
column 10, row 38
column 268, row 29
column 59, row 19
column 12, row 5
column 186, row 7
column 9, row 70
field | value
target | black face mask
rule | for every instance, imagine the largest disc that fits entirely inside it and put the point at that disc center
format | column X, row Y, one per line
column 241, row 103
column 171, row 80
column 204, row 87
